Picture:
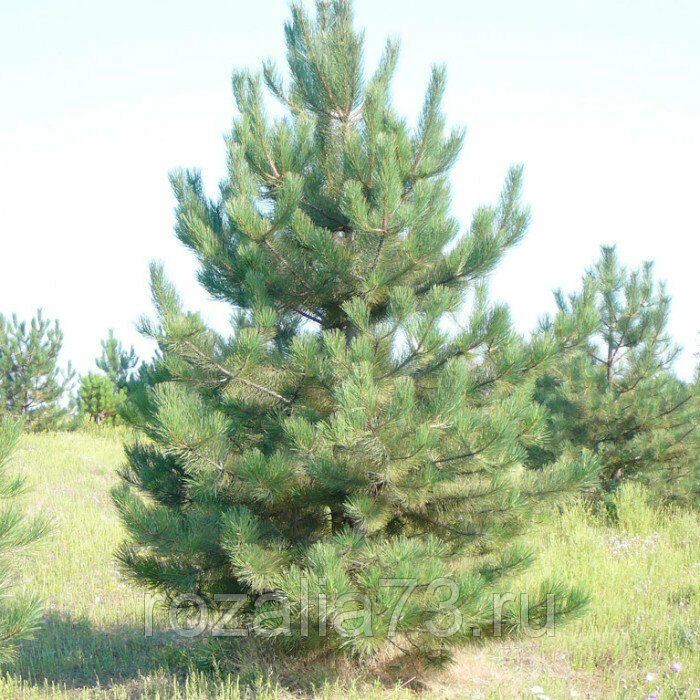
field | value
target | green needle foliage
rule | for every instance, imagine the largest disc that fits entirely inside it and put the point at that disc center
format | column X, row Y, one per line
column 618, row 396
column 98, row 398
column 31, row 382
column 364, row 421
column 19, row 616
column 117, row 362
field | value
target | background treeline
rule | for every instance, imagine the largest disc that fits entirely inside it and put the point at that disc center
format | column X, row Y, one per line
column 35, row 387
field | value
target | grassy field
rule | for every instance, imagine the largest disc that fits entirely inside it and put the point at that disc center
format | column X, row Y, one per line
column 640, row 637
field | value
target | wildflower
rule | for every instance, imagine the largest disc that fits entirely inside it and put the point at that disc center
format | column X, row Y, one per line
column 676, row 667
column 537, row 690
column 650, row 677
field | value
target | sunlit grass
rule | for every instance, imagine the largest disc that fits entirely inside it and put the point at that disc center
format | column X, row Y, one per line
column 642, row 575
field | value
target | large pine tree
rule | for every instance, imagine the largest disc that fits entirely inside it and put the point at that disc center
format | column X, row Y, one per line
column 618, row 396
column 19, row 615
column 365, row 419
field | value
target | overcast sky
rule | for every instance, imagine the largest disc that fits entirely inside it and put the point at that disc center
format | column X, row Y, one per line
column 99, row 100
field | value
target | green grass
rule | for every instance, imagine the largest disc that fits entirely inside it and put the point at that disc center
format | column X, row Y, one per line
column 643, row 575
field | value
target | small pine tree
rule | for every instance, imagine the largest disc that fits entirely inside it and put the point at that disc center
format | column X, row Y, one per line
column 618, row 396
column 19, row 617
column 31, row 383
column 98, row 399
column 117, row 362
column 365, row 420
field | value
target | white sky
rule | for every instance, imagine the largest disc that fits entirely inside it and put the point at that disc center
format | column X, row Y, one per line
column 99, row 100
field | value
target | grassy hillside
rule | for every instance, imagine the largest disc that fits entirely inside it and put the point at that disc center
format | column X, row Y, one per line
column 640, row 636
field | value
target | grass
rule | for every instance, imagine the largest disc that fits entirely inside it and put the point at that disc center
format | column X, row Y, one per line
column 643, row 575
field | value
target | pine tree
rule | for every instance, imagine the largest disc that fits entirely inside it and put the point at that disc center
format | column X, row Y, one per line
column 31, row 383
column 365, row 419
column 618, row 396
column 98, row 399
column 19, row 617
column 117, row 362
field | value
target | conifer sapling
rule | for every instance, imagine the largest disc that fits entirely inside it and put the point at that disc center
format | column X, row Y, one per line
column 19, row 616
column 618, row 396
column 32, row 384
column 364, row 421
column 98, row 399
column 116, row 361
